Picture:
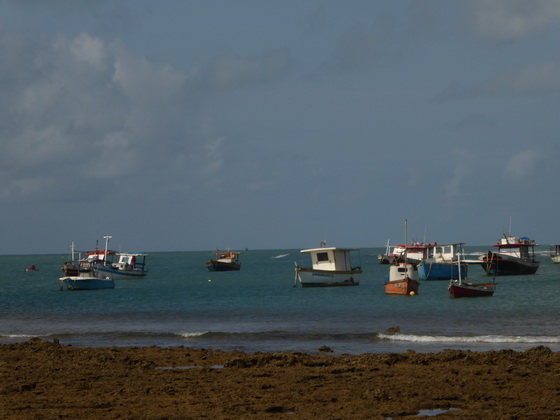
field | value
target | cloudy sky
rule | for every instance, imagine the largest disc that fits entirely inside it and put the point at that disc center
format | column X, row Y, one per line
column 196, row 124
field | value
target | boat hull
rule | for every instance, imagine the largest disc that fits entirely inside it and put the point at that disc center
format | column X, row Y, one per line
column 117, row 274
column 86, row 283
column 440, row 271
column 555, row 259
column 460, row 290
column 406, row 286
column 222, row 266
column 324, row 278
column 506, row 265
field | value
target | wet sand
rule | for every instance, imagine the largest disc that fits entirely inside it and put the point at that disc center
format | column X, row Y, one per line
column 43, row 379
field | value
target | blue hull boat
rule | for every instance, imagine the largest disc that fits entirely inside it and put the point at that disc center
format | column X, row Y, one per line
column 440, row 271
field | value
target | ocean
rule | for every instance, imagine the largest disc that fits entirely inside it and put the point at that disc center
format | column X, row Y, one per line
column 181, row 303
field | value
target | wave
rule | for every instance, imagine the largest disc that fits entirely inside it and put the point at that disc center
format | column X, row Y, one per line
column 486, row 339
column 13, row 336
column 281, row 256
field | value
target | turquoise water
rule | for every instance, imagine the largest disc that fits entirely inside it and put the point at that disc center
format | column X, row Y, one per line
column 181, row 303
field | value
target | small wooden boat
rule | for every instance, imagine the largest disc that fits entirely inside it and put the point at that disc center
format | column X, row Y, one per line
column 225, row 261
column 461, row 287
column 330, row 266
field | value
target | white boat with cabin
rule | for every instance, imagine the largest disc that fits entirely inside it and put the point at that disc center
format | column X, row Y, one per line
column 330, row 266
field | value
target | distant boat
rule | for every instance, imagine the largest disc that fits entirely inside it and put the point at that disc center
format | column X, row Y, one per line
column 225, row 261
column 515, row 256
column 32, row 268
column 330, row 266
column 555, row 254
column 400, row 280
column 461, row 287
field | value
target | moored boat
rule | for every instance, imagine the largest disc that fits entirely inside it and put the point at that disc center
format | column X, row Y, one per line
column 401, row 281
column 415, row 252
column 441, row 263
column 128, row 265
column 225, row 261
column 461, row 287
column 330, row 266
column 86, row 281
column 555, row 254
column 515, row 256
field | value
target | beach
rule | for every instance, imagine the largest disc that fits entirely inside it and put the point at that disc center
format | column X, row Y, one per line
column 43, row 379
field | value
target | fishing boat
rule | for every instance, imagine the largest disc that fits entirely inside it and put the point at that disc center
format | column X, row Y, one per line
column 515, row 256
column 555, row 254
column 415, row 252
column 400, row 280
column 461, row 287
column 128, row 265
column 91, row 280
column 81, row 274
column 330, row 266
column 225, row 261
column 441, row 263
column 386, row 258
column 31, row 268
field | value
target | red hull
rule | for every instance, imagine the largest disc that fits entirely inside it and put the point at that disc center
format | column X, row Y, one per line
column 470, row 290
column 402, row 287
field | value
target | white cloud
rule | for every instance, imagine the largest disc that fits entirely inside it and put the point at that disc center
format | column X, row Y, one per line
column 521, row 165
column 507, row 20
column 84, row 108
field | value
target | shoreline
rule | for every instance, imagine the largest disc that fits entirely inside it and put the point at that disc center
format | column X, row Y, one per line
column 44, row 379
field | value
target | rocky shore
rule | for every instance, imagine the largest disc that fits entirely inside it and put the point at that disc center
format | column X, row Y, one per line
column 43, row 380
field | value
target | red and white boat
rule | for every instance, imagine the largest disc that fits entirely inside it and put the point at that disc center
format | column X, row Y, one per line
column 400, row 280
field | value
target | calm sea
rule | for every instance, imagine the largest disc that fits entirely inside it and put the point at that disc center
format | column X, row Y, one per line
column 181, row 303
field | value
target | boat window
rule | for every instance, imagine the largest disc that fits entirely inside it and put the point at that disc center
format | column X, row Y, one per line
column 322, row 256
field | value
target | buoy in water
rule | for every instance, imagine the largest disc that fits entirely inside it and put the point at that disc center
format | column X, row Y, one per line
column 412, row 293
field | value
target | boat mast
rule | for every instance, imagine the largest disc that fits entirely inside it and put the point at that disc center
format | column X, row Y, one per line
column 106, row 237
column 405, row 242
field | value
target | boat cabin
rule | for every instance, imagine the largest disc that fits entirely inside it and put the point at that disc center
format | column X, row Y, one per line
column 445, row 253
column 523, row 248
column 132, row 261
column 331, row 258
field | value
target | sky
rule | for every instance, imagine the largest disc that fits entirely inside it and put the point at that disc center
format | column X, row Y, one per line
column 185, row 125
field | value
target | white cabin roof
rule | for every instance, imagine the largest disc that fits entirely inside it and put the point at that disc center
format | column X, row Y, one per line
column 323, row 249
